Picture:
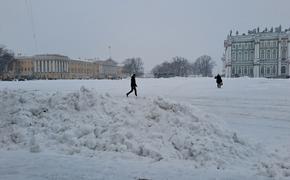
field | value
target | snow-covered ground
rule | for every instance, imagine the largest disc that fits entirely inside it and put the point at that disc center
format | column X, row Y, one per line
column 177, row 128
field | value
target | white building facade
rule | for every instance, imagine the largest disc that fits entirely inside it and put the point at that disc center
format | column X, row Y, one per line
column 258, row 54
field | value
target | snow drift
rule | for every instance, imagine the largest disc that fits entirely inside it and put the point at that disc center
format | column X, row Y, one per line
column 87, row 122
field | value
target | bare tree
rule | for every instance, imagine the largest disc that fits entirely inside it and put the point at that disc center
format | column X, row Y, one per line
column 6, row 59
column 203, row 66
column 179, row 66
column 134, row 66
column 163, row 70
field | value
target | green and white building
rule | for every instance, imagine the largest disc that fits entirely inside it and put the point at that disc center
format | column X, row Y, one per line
column 258, row 54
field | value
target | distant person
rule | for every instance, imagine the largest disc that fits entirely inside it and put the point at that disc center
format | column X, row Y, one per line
column 133, row 86
column 219, row 81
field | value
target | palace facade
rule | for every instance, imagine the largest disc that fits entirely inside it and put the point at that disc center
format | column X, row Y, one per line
column 258, row 54
column 54, row 66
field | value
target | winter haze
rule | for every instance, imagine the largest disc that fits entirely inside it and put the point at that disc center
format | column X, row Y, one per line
column 153, row 30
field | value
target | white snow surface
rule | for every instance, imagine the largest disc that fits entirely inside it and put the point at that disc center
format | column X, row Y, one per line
column 184, row 124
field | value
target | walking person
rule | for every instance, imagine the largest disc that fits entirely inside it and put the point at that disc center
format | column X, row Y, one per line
column 133, row 86
column 219, row 81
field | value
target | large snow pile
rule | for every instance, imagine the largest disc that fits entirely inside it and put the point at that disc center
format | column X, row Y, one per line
column 87, row 122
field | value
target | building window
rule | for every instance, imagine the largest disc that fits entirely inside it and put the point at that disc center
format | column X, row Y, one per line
column 283, row 70
column 268, row 70
column 234, row 56
column 268, row 54
column 262, row 70
column 239, row 55
column 262, row 54
column 283, row 53
column 274, row 56
column 246, row 55
column 252, row 55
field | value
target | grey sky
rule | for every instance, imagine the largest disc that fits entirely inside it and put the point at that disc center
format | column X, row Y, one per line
column 155, row 30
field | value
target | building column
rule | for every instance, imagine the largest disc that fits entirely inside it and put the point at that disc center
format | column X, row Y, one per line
column 61, row 66
column 228, row 60
column 46, row 67
column 49, row 66
column 256, row 71
column 42, row 66
column 257, row 59
column 279, row 57
column 56, row 66
column 288, row 55
column 229, row 71
column 34, row 66
column 52, row 66
column 38, row 66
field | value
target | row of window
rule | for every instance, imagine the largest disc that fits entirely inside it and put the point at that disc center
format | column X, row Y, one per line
column 243, row 70
column 267, row 44
column 75, row 70
column 26, row 63
column 268, row 70
column 272, row 70
column 263, row 44
column 26, row 69
column 264, row 54
column 243, row 45
column 268, row 53
column 243, row 56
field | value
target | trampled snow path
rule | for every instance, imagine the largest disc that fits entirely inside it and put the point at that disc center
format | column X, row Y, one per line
column 43, row 119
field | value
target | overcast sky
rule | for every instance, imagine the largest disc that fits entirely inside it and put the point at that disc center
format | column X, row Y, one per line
column 155, row 30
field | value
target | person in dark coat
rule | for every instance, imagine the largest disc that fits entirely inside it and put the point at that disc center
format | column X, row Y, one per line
column 219, row 81
column 133, row 86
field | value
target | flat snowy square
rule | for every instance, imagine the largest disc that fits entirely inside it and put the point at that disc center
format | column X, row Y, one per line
column 177, row 128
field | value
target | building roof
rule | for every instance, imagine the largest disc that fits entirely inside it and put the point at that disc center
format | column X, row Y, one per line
column 256, row 34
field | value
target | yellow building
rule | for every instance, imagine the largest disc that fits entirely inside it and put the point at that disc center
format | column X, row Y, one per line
column 83, row 69
column 54, row 66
